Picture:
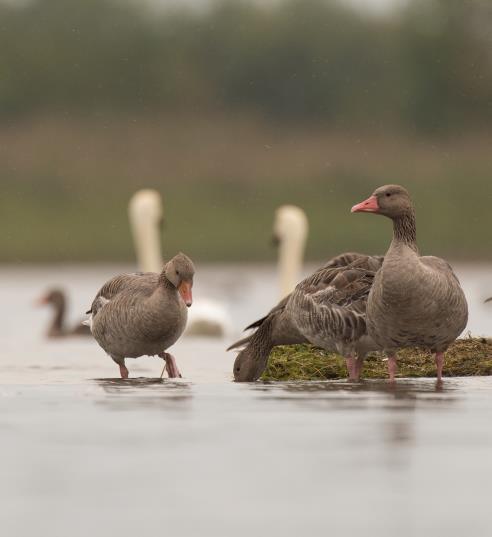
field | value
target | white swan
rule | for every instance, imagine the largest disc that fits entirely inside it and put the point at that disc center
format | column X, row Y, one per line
column 290, row 231
column 206, row 317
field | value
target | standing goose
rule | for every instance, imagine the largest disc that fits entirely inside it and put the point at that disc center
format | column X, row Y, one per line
column 144, row 313
column 327, row 309
column 414, row 301
column 57, row 300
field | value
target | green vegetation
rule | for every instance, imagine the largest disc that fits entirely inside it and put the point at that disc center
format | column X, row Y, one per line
column 425, row 68
column 65, row 186
column 233, row 110
column 466, row 357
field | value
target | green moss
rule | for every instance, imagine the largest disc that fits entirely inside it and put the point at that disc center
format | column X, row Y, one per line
column 466, row 357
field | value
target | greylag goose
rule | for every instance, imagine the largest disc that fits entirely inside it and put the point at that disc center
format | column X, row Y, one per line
column 145, row 210
column 290, row 229
column 57, row 300
column 327, row 309
column 414, row 301
column 144, row 313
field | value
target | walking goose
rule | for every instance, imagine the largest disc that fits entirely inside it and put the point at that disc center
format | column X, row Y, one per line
column 414, row 301
column 144, row 313
column 57, row 300
column 327, row 309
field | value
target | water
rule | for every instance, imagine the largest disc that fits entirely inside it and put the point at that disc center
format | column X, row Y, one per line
column 84, row 453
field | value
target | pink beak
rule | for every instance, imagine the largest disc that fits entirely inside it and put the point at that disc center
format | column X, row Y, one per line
column 184, row 289
column 370, row 205
column 41, row 301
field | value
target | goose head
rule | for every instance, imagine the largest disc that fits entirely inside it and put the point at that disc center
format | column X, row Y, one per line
column 180, row 272
column 290, row 231
column 54, row 297
column 249, row 365
column 392, row 201
column 145, row 212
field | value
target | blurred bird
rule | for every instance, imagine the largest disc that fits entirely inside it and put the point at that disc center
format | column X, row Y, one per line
column 57, row 300
column 290, row 230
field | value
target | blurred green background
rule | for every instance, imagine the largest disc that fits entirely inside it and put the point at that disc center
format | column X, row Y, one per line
column 232, row 108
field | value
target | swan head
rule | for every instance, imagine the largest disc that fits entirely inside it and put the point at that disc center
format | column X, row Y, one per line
column 249, row 365
column 290, row 224
column 392, row 201
column 146, row 205
column 180, row 272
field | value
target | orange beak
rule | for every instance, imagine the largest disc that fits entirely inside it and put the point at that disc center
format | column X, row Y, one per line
column 370, row 205
column 41, row 301
column 184, row 289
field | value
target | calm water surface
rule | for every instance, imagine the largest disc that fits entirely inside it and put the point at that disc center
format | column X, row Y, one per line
column 84, row 453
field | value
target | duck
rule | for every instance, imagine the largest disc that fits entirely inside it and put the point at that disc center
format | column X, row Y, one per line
column 290, row 231
column 415, row 301
column 144, row 313
column 56, row 298
column 208, row 318
column 326, row 309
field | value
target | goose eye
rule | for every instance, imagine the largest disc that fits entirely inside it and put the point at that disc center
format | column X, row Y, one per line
column 388, row 194
column 177, row 273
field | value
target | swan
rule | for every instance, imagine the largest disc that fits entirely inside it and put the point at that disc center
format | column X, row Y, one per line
column 145, row 211
column 290, row 230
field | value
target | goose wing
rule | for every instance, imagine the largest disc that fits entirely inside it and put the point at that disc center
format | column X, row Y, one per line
column 331, row 304
column 143, row 281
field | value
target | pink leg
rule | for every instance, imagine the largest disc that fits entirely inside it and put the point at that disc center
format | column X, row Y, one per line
column 359, row 362
column 171, row 367
column 123, row 371
column 350, row 361
column 392, row 367
column 439, row 364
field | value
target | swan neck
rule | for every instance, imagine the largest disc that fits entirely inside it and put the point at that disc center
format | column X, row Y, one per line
column 147, row 240
column 291, row 255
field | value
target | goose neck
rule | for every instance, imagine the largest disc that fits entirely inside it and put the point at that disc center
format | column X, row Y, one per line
column 405, row 231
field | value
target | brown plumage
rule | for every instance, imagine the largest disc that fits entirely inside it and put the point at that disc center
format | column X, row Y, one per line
column 143, row 313
column 56, row 298
column 414, row 301
column 326, row 309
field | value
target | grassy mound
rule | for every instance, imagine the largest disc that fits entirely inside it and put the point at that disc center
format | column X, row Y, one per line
column 465, row 357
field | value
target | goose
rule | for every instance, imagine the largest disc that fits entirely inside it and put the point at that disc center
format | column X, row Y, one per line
column 290, row 230
column 56, row 298
column 414, row 301
column 327, row 309
column 143, row 313
column 208, row 318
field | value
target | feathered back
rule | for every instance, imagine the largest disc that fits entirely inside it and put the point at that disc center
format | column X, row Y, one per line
column 329, row 307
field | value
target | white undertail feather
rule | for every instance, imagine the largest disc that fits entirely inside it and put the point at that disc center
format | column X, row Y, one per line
column 291, row 229
column 101, row 301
